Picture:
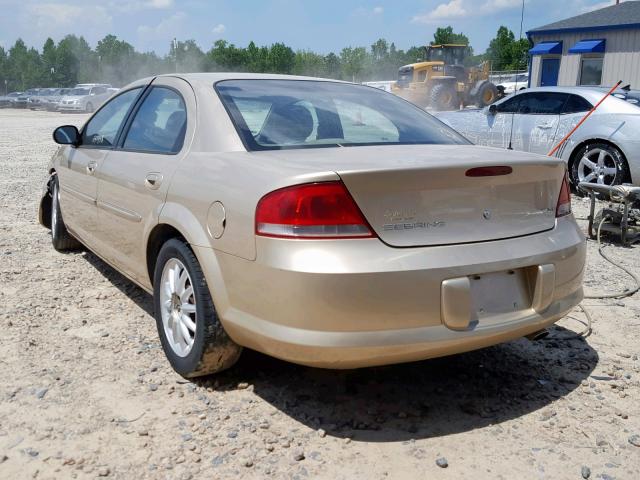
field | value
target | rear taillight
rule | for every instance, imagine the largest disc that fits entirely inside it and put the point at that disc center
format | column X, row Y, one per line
column 564, row 200
column 312, row 210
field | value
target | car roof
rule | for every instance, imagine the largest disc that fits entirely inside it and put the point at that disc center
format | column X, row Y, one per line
column 592, row 94
column 213, row 77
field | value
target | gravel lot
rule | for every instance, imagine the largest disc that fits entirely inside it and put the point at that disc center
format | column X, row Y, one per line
column 86, row 391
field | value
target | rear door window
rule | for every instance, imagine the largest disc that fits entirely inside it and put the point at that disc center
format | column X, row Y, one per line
column 576, row 104
column 160, row 123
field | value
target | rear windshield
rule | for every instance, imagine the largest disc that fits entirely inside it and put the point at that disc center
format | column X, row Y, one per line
column 279, row 114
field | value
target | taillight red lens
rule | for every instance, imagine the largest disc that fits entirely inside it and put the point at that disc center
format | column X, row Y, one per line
column 313, row 210
column 564, row 200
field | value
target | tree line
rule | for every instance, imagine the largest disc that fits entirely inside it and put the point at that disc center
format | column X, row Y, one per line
column 72, row 60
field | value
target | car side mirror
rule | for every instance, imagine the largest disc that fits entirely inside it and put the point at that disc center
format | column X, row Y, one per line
column 67, row 135
column 493, row 109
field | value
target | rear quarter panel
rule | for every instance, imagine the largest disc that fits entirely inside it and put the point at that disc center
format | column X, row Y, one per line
column 619, row 129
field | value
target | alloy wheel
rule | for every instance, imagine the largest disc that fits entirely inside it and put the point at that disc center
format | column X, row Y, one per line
column 598, row 166
column 178, row 307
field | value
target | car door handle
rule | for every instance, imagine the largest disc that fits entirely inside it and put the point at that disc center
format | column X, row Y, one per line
column 545, row 126
column 91, row 167
column 153, row 181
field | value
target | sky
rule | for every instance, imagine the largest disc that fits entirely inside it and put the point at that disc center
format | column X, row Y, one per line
column 322, row 26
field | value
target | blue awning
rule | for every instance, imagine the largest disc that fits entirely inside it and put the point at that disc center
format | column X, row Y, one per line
column 545, row 48
column 588, row 46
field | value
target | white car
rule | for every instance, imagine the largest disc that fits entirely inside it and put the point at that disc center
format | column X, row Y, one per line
column 605, row 149
column 84, row 99
column 514, row 83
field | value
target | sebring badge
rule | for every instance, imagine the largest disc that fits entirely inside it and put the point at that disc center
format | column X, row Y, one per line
column 486, row 214
column 413, row 225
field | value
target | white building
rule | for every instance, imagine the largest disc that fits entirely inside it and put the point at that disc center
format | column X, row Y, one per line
column 595, row 48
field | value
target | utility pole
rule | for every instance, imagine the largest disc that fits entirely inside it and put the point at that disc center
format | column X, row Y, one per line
column 175, row 52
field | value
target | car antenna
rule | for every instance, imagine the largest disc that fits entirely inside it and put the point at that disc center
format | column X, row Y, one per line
column 515, row 88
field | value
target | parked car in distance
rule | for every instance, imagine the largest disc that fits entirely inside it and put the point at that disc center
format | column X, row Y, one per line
column 89, row 85
column 604, row 150
column 39, row 100
column 22, row 101
column 84, row 99
column 322, row 222
column 9, row 100
column 54, row 98
column 516, row 82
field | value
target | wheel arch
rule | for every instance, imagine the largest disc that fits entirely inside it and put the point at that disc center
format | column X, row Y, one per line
column 590, row 141
column 44, row 206
column 159, row 235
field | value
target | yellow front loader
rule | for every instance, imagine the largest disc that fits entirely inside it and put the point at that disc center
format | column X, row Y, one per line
column 442, row 82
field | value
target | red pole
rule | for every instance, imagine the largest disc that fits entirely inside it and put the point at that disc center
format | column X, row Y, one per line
column 555, row 149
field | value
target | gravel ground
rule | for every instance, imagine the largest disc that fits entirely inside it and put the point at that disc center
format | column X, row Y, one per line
column 86, row 391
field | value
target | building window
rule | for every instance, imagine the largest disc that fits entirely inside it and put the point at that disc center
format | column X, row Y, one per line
column 591, row 71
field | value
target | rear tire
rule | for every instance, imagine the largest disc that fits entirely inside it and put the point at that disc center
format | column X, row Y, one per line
column 61, row 239
column 600, row 163
column 443, row 96
column 192, row 336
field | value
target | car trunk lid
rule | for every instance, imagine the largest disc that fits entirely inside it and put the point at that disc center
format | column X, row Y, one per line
column 424, row 195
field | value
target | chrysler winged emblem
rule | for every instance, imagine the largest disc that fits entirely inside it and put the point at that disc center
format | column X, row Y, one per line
column 486, row 214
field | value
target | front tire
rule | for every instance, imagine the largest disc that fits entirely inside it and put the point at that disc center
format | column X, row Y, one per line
column 443, row 96
column 599, row 163
column 61, row 239
column 192, row 336
column 89, row 107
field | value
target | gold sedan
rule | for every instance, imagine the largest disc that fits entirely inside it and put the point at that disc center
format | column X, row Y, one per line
column 325, row 223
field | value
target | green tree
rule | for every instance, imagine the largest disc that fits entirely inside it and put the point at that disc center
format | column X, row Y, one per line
column 24, row 66
column 446, row 35
column 280, row 59
column 49, row 64
column 309, row 63
column 414, row 54
column 4, row 71
column 115, row 60
column 186, row 56
column 226, row 56
column 507, row 53
column 380, row 50
column 333, row 67
column 76, row 62
column 353, row 62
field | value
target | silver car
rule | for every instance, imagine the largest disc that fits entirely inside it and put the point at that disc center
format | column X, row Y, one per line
column 54, row 98
column 84, row 99
column 604, row 150
column 9, row 100
column 326, row 223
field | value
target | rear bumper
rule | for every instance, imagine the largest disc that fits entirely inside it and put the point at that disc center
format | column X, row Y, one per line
column 358, row 303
